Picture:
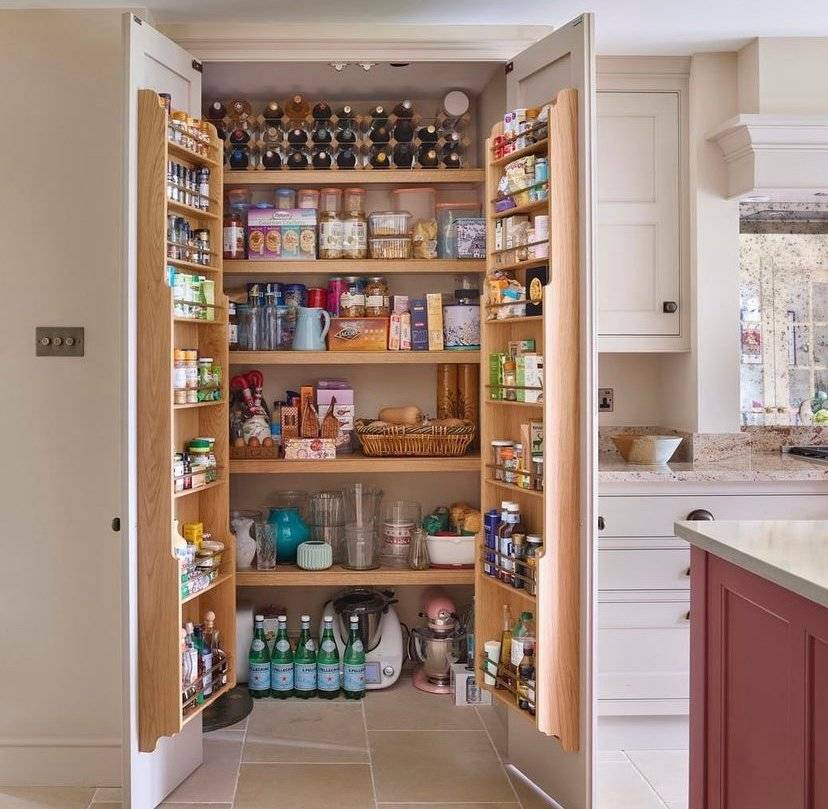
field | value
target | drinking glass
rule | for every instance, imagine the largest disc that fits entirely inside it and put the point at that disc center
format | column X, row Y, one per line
column 401, row 518
column 265, row 545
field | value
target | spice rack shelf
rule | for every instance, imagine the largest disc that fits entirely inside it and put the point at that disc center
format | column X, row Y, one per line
column 290, row 576
column 164, row 427
column 555, row 511
column 356, row 463
column 352, row 357
column 240, row 179
column 342, row 266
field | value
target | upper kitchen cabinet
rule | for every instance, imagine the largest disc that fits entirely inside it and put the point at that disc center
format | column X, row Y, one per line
column 641, row 235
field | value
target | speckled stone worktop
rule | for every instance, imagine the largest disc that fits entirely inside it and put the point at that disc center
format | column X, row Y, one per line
column 748, row 467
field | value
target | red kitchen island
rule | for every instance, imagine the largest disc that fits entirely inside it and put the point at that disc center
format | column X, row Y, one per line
column 758, row 664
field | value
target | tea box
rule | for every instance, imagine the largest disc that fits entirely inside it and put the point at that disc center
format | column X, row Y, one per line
column 434, row 317
column 529, row 368
column 419, row 325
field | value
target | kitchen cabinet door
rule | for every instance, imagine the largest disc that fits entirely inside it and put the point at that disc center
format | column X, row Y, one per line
column 638, row 232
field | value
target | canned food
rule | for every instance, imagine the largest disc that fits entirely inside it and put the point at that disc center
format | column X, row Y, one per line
column 294, row 294
column 317, row 298
column 336, row 286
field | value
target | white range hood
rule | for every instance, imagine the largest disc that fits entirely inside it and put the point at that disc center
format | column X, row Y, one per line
column 783, row 157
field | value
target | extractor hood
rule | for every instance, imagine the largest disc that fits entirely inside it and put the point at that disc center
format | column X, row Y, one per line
column 781, row 157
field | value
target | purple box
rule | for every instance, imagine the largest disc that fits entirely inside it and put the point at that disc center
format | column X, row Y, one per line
column 419, row 324
column 275, row 233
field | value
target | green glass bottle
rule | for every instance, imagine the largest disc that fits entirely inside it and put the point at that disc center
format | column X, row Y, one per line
column 304, row 663
column 258, row 680
column 281, row 663
column 353, row 676
column 327, row 663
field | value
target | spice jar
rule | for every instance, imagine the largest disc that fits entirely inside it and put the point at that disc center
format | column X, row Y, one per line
column 179, row 377
column 537, row 470
column 352, row 298
column 532, row 552
column 377, row 302
column 330, row 225
column 234, row 235
column 307, row 198
column 499, row 448
column 354, row 224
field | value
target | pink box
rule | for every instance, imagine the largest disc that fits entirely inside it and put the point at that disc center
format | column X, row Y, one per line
column 310, row 449
column 343, row 397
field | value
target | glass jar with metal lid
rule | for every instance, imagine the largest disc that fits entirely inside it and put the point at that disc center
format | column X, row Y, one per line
column 352, row 298
column 377, row 299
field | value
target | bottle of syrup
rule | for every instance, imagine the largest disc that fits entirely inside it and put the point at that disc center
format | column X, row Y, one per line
column 322, row 111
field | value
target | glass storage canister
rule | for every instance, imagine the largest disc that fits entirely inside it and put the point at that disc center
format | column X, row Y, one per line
column 354, row 224
column 352, row 299
column 499, row 452
column 285, row 198
column 307, row 198
column 248, row 325
column 377, row 299
column 537, row 472
column 330, row 225
column 401, row 518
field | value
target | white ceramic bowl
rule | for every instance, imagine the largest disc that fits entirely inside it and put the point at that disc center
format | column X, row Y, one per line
column 450, row 551
column 646, row 450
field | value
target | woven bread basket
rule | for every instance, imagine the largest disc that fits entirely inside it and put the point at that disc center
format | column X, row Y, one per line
column 399, row 440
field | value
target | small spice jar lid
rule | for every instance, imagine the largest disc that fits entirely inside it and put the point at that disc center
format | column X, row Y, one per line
column 502, row 442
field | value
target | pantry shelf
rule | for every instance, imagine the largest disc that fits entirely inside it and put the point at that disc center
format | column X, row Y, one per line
column 204, row 488
column 191, row 265
column 217, row 693
column 356, row 463
column 539, row 147
column 510, row 403
column 191, row 405
column 290, row 576
column 177, row 150
column 499, row 484
column 352, row 357
column 221, row 579
column 189, row 210
column 342, row 266
column 236, row 179
column 520, row 265
column 503, row 586
column 529, row 207
column 525, row 319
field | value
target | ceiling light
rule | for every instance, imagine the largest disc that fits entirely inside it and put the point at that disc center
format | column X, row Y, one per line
column 338, row 66
column 366, row 66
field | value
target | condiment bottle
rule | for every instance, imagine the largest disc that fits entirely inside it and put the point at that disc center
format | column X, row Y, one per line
column 233, row 235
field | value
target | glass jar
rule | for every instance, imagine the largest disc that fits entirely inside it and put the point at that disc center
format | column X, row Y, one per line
column 285, row 198
column 500, row 447
column 352, row 298
column 234, row 241
column 179, row 377
column 377, row 301
column 307, row 198
column 354, row 224
column 248, row 324
column 330, row 225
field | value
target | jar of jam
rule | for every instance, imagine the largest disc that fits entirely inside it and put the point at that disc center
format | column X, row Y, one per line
column 234, row 247
column 352, row 298
column 377, row 301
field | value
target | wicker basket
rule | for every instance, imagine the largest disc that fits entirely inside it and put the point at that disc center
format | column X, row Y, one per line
column 399, row 440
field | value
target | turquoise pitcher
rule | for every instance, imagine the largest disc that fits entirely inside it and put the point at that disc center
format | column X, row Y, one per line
column 290, row 530
column 310, row 331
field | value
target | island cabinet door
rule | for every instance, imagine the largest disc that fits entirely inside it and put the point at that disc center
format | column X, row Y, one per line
column 759, row 692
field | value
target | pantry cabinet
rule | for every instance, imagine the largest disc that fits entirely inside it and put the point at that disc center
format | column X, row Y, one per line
column 642, row 220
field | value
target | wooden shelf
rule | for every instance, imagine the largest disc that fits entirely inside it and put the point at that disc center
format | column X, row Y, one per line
column 352, row 357
column 529, row 207
column 510, row 487
column 189, row 210
column 217, row 692
column 177, row 150
column 290, row 576
column 525, row 319
column 234, row 179
column 191, row 405
column 344, row 266
column 521, row 265
column 188, row 492
column 510, row 403
column 507, row 587
column 356, row 463
column 191, row 265
column 533, row 148
column 219, row 580
column 199, row 322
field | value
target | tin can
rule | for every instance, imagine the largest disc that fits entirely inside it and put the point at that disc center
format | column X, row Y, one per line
column 336, row 286
column 491, row 524
column 317, row 298
column 255, row 294
column 294, row 295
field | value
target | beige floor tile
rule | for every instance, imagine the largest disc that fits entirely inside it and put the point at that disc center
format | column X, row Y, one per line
column 666, row 771
column 448, row 806
column 168, row 805
column 403, row 707
column 529, row 798
column 108, row 805
column 107, row 795
column 45, row 797
column 619, row 785
column 304, row 731
column 495, row 719
column 437, row 766
column 304, row 786
column 215, row 779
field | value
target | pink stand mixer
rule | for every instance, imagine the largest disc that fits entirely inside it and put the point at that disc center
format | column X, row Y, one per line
column 438, row 645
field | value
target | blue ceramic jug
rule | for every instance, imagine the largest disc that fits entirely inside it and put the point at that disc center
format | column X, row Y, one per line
column 290, row 530
column 310, row 333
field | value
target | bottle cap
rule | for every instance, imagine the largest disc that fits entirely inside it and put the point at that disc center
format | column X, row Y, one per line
column 328, row 619
column 282, row 618
column 260, row 617
column 354, row 619
column 305, row 618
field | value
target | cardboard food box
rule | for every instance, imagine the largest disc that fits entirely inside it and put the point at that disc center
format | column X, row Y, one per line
column 358, row 334
column 405, row 331
column 419, row 324
column 471, row 237
column 434, row 311
column 529, row 376
column 344, row 414
column 310, row 449
column 274, row 233
column 466, row 689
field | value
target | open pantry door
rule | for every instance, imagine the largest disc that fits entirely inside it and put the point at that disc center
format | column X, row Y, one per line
column 153, row 62
column 556, row 754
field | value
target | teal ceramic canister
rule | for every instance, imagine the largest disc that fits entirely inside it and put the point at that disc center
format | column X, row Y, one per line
column 291, row 531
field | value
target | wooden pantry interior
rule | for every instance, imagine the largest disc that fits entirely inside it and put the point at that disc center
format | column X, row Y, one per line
column 561, row 333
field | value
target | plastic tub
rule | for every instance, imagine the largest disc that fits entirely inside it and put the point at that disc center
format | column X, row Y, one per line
column 419, row 201
column 450, row 550
column 447, row 215
column 390, row 223
column 390, row 247
column 307, row 198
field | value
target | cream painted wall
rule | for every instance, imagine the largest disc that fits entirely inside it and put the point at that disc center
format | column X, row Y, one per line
column 61, row 163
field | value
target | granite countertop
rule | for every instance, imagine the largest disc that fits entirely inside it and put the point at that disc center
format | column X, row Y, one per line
column 790, row 553
column 748, row 467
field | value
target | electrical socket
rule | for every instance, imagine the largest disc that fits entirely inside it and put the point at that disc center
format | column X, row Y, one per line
column 606, row 400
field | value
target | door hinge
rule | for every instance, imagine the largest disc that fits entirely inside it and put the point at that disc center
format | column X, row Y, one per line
column 137, row 19
column 197, row 66
column 508, row 67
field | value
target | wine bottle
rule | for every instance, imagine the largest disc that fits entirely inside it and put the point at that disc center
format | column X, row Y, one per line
column 240, row 109
column 216, row 111
column 321, row 159
column 345, row 112
column 379, row 158
column 403, row 155
column 272, row 134
column 378, row 113
column 273, row 113
column 345, row 158
column 321, row 133
column 322, row 111
column 379, row 133
column 240, row 134
column 296, row 108
column 403, row 131
column 452, row 143
column 452, row 160
column 271, row 159
column 345, row 132
column 298, row 136
column 405, row 109
column 297, row 159
column 427, row 134
column 427, row 157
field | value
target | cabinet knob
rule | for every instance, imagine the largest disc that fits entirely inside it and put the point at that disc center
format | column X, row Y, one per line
column 601, row 523
column 700, row 514
column 670, row 307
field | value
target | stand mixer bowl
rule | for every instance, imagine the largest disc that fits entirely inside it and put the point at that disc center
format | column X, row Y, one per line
column 438, row 652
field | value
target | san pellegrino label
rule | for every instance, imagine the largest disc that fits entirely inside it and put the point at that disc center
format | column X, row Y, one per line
column 258, row 680
column 304, row 660
column 281, row 661
column 354, row 677
column 353, row 674
column 327, row 659
column 259, row 677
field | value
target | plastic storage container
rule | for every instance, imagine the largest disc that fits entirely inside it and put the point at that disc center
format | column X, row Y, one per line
column 390, row 223
column 450, row 550
column 447, row 215
column 419, row 201
column 390, row 247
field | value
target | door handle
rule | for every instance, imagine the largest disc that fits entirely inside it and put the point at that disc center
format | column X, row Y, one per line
column 669, row 307
column 601, row 524
column 700, row 514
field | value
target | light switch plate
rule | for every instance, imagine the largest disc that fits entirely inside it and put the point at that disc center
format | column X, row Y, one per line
column 59, row 341
column 606, row 400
